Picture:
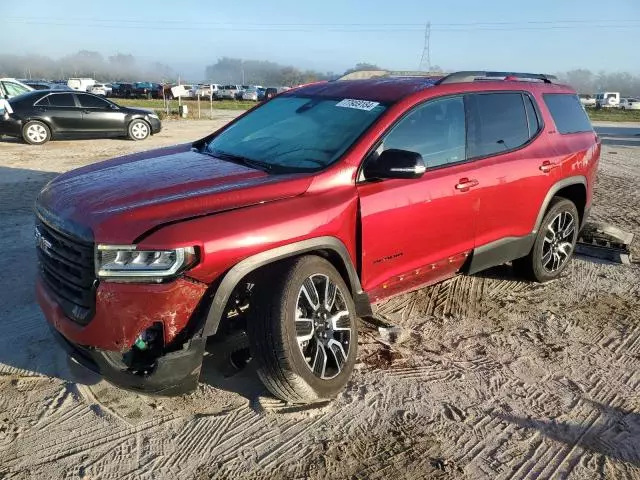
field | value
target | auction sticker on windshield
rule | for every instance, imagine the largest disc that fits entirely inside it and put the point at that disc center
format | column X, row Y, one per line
column 358, row 104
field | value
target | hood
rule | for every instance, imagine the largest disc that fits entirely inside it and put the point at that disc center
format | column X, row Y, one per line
column 118, row 200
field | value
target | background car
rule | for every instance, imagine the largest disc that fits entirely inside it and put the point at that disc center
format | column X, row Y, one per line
column 271, row 92
column 10, row 87
column 607, row 99
column 250, row 94
column 629, row 104
column 81, row 84
column 123, row 90
column 211, row 90
column 587, row 100
column 229, row 92
column 146, row 90
column 103, row 89
column 41, row 115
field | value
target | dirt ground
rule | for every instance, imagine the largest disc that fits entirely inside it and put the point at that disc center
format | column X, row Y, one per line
column 491, row 377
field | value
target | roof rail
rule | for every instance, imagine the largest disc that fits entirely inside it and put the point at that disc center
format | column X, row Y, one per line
column 472, row 76
column 367, row 74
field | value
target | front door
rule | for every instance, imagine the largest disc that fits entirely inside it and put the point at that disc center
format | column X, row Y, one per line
column 99, row 117
column 420, row 231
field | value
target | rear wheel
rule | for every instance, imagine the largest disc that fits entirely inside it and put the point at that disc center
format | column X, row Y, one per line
column 36, row 132
column 303, row 332
column 139, row 130
column 554, row 243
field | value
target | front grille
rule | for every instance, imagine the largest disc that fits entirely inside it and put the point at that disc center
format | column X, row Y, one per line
column 67, row 267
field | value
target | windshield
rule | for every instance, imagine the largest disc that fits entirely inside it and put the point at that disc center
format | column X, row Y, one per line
column 297, row 134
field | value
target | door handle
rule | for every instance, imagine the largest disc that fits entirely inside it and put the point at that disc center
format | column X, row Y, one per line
column 86, row 111
column 547, row 166
column 464, row 184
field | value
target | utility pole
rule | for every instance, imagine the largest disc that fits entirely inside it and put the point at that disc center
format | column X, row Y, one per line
column 425, row 58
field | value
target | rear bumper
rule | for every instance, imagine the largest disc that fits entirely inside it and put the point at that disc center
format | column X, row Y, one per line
column 174, row 373
column 10, row 126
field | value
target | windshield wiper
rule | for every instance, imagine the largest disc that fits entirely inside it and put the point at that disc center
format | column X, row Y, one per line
column 239, row 159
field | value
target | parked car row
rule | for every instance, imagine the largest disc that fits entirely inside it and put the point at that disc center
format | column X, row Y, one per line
column 213, row 91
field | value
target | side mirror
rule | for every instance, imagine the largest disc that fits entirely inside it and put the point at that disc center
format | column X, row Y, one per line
column 395, row 163
column 113, row 107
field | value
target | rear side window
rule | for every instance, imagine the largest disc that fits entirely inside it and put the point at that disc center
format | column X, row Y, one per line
column 61, row 100
column 89, row 101
column 567, row 113
column 497, row 123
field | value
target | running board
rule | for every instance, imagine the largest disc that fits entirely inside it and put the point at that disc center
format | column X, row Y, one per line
column 605, row 241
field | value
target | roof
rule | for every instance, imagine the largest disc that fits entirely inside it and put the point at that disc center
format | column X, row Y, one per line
column 386, row 86
column 381, row 89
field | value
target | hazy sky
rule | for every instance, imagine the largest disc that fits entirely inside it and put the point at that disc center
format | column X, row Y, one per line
column 541, row 35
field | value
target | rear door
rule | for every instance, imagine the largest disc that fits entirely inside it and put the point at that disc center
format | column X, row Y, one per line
column 99, row 117
column 420, row 231
column 504, row 137
column 64, row 114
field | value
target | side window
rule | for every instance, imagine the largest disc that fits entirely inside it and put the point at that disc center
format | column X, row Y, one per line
column 61, row 100
column 567, row 113
column 43, row 102
column 497, row 123
column 532, row 116
column 435, row 130
column 89, row 101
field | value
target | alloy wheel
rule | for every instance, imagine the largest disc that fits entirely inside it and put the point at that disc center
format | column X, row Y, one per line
column 323, row 326
column 558, row 242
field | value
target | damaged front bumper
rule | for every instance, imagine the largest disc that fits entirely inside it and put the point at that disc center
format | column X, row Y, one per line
column 109, row 343
column 174, row 373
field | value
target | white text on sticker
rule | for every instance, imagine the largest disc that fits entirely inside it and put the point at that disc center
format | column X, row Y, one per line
column 358, row 104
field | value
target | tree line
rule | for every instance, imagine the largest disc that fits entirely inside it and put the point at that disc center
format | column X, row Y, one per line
column 125, row 67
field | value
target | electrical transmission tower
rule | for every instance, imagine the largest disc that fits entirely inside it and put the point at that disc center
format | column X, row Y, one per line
column 425, row 59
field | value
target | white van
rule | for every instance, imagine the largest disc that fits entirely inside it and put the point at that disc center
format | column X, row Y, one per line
column 10, row 87
column 81, row 84
column 607, row 99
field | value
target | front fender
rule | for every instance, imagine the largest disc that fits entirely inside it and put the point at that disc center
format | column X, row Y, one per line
column 250, row 264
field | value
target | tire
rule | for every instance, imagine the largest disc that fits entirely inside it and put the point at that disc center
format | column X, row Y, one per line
column 139, row 130
column 36, row 132
column 277, row 337
column 554, row 244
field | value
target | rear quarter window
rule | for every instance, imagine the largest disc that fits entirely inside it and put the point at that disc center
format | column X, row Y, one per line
column 567, row 113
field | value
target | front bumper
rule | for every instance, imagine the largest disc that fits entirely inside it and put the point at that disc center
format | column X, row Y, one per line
column 175, row 373
column 156, row 125
column 122, row 312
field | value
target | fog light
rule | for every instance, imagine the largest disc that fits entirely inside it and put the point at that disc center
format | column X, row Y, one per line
column 149, row 338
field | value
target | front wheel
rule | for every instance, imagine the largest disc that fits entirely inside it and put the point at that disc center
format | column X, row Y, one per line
column 554, row 244
column 139, row 130
column 303, row 332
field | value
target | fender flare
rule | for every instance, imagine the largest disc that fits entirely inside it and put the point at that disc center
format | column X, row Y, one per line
column 565, row 182
column 249, row 264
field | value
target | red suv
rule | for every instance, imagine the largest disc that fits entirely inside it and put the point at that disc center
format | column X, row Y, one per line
column 289, row 222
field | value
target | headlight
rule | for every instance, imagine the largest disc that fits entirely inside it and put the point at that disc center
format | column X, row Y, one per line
column 126, row 262
column 154, row 115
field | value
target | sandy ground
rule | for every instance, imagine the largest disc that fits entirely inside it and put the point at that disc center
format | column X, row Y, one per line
column 491, row 377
